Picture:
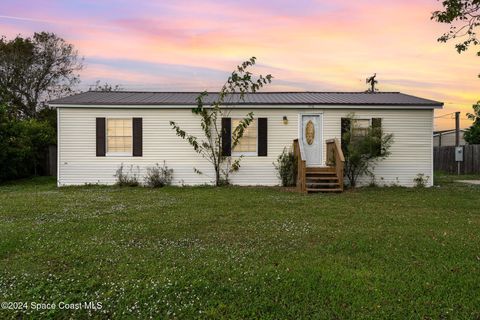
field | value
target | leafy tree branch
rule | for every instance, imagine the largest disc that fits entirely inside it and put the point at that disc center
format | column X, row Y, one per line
column 463, row 17
column 240, row 82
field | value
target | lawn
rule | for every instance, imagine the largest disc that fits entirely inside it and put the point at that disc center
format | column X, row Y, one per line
column 204, row 252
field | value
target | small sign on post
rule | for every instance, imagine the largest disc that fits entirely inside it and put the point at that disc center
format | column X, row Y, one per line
column 458, row 157
column 458, row 148
column 459, row 154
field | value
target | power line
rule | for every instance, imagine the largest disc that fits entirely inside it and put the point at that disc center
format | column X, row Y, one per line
column 444, row 115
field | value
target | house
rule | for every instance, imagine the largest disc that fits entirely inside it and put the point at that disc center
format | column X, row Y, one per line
column 99, row 131
column 447, row 138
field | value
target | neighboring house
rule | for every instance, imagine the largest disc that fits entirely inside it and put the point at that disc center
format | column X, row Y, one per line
column 99, row 131
column 447, row 138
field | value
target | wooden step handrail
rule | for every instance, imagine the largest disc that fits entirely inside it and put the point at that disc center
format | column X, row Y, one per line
column 336, row 158
column 301, row 166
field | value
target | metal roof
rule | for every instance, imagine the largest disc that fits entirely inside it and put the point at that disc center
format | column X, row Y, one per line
column 260, row 98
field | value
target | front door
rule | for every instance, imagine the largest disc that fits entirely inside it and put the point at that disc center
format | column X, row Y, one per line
column 311, row 139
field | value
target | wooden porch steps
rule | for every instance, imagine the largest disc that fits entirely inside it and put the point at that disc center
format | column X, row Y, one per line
column 322, row 179
column 321, row 170
column 323, row 184
column 311, row 190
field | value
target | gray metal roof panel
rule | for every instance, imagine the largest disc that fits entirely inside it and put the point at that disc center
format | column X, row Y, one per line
column 259, row 98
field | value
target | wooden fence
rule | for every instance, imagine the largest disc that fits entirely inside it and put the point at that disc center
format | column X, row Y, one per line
column 444, row 159
column 51, row 161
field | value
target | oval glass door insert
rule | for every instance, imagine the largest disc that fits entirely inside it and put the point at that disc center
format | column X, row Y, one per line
column 310, row 132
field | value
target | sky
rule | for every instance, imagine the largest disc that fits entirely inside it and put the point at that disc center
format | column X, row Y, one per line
column 307, row 45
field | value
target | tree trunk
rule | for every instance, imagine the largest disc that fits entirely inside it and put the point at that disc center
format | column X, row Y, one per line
column 217, row 177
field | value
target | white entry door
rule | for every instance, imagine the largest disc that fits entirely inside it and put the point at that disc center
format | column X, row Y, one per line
column 311, row 138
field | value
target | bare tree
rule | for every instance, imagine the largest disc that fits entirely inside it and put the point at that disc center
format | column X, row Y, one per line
column 34, row 70
column 98, row 86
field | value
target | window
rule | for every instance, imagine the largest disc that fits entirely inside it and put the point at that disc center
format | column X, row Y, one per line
column 360, row 127
column 119, row 136
column 247, row 145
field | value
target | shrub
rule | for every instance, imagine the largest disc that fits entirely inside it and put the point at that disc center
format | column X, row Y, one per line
column 286, row 166
column 421, row 180
column 158, row 177
column 472, row 134
column 362, row 152
column 22, row 146
column 127, row 178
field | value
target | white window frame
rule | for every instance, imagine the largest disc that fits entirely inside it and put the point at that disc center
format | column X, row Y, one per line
column 117, row 154
column 243, row 153
column 361, row 119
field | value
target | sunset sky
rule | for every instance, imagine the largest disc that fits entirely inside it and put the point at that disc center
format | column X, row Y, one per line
column 305, row 44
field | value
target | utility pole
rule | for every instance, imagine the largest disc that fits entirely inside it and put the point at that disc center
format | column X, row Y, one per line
column 458, row 152
column 457, row 129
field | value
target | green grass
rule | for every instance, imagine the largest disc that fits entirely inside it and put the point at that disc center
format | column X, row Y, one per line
column 204, row 252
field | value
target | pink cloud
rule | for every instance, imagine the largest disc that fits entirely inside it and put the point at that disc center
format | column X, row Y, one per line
column 320, row 45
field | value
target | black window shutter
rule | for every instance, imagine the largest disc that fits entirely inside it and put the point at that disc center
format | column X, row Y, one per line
column 262, row 137
column 100, row 134
column 137, row 132
column 377, row 131
column 227, row 136
column 345, row 127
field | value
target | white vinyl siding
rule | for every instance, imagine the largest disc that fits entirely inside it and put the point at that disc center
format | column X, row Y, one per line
column 411, row 152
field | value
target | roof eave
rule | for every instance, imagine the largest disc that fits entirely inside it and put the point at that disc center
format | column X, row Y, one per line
column 249, row 105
